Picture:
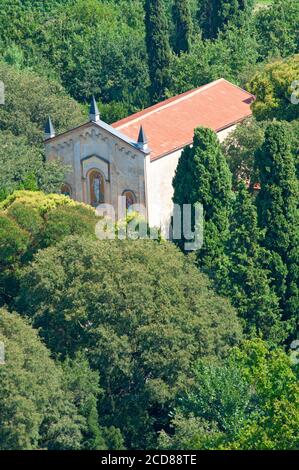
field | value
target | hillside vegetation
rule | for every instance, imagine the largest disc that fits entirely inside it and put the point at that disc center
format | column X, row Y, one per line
column 135, row 344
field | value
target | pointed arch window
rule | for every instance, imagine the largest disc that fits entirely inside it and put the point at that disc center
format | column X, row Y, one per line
column 96, row 187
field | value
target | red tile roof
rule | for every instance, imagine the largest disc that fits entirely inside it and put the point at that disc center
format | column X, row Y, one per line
column 170, row 125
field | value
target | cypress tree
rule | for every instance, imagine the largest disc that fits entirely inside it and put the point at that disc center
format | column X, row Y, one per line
column 183, row 25
column 203, row 176
column 277, row 204
column 208, row 17
column 248, row 281
column 158, row 48
column 214, row 15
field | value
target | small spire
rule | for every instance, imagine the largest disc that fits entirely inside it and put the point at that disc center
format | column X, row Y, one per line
column 94, row 113
column 142, row 139
column 49, row 129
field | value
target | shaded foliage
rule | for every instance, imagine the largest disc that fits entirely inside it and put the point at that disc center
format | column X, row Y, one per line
column 274, row 87
column 142, row 310
column 202, row 176
column 35, row 411
column 277, row 204
column 250, row 401
column 158, row 48
column 30, row 221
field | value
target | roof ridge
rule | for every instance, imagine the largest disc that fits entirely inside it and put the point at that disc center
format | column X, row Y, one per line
column 239, row 88
column 174, row 100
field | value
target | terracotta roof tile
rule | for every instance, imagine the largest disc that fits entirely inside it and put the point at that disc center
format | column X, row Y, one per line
column 170, row 125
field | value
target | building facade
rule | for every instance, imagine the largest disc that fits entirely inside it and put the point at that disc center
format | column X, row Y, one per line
column 136, row 157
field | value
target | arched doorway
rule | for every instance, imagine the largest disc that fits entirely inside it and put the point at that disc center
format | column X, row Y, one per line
column 96, row 188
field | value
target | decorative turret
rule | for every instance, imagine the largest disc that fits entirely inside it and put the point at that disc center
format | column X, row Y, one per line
column 94, row 113
column 142, row 140
column 49, row 129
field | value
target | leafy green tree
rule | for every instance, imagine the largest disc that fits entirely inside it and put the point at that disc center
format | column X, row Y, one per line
column 158, row 48
column 221, row 395
column 48, row 218
column 91, row 46
column 64, row 221
column 29, row 99
column 113, row 438
column 23, row 167
column 239, row 148
column 33, row 220
column 277, row 30
column 183, row 25
column 274, row 383
column 83, row 384
column 277, row 204
column 14, row 242
column 208, row 60
column 16, row 23
column 44, row 5
column 110, row 58
column 31, row 393
column 142, row 327
column 241, row 145
column 249, row 401
column 273, row 90
column 235, row 39
column 202, row 176
column 190, row 433
column 248, row 282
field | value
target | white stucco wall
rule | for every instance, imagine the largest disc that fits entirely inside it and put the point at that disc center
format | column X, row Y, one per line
column 160, row 174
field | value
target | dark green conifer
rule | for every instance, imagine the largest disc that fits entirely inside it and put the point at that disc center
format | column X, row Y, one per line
column 203, row 176
column 158, row 48
column 248, row 282
column 214, row 15
column 183, row 25
column 277, row 204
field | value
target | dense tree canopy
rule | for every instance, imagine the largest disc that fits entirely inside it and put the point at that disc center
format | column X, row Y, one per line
column 30, row 221
column 143, row 349
column 242, row 143
column 144, row 312
column 215, row 15
column 30, row 99
column 35, row 411
column 276, row 29
column 239, row 148
column 47, row 405
column 23, row 167
column 274, row 87
column 98, row 46
column 248, row 402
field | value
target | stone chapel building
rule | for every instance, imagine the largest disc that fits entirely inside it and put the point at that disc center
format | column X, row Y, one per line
column 137, row 156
